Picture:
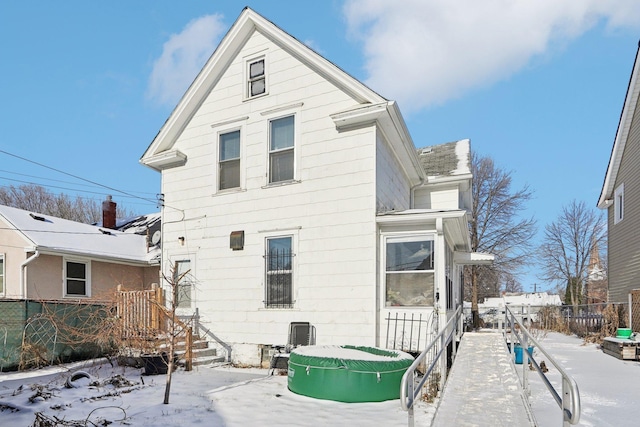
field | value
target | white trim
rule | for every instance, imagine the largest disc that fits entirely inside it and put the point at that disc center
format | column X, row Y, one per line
column 618, row 204
column 184, row 256
column 295, row 148
column 248, row 60
column 399, row 237
column 241, row 178
column 87, row 279
column 293, row 235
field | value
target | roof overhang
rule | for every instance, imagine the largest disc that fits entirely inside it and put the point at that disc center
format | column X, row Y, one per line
column 622, row 134
column 65, row 252
column 165, row 160
column 386, row 116
column 455, row 223
column 473, row 258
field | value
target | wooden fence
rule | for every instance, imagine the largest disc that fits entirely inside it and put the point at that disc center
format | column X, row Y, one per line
column 144, row 317
column 141, row 313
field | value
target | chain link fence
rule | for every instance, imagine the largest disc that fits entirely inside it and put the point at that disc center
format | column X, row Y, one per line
column 35, row 333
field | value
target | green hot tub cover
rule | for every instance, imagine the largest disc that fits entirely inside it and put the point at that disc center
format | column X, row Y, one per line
column 347, row 373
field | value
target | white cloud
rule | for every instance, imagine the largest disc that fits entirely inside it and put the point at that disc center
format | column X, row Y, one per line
column 424, row 52
column 182, row 58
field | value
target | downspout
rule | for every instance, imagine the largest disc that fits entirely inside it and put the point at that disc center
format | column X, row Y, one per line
column 23, row 266
column 412, row 191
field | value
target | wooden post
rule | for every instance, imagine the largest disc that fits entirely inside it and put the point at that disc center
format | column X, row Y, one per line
column 189, row 349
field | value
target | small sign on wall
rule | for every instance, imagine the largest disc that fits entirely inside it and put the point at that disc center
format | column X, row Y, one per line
column 236, row 240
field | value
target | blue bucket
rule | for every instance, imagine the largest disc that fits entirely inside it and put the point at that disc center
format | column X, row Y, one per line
column 518, row 352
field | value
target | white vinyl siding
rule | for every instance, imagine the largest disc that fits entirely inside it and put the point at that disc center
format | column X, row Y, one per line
column 330, row 210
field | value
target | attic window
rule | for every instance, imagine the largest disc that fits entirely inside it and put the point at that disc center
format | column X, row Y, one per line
column 37, row 217
column 257, row 78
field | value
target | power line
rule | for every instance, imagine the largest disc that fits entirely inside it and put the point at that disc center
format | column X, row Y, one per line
column 51, row 179
column 76, row 176
column 158, row 202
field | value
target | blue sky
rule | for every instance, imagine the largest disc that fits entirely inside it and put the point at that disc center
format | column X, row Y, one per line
column 537, row 85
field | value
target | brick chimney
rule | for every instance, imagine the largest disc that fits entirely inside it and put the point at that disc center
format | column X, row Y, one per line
column 109, row 213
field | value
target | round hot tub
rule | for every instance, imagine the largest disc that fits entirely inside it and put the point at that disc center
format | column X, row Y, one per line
column 347, row 373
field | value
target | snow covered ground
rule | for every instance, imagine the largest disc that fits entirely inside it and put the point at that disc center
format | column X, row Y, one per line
column 222, row 396
column 609, row 387
column 226, row 396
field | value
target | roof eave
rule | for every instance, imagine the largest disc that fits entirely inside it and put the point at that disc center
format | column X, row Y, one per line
column 622, row 133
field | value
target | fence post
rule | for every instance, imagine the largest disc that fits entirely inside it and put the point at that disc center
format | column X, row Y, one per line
column 189, row 345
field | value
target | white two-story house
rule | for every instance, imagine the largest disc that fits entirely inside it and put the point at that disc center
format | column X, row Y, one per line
column 293, row 192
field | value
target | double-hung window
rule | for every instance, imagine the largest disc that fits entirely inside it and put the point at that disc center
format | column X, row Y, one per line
column 281, row 149
column 229, row 160
column 279, row 272
column 257, row 83
column 77, row 278
column 409, row 272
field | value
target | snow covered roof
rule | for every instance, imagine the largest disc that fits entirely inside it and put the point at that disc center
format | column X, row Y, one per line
column 448, row 159
column 49, row 234
column 524, row 298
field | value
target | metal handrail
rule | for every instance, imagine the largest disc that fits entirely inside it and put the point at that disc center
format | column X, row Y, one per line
column 408, row 390
column 569, row 402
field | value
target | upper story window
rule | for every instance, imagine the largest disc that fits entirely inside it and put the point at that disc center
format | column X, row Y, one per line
column 257, row 82
column 229, row 160
column 618, row 204
column 77, row 278
column 281, row 149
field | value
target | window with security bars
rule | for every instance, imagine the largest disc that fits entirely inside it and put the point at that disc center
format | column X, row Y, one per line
column 279, row 273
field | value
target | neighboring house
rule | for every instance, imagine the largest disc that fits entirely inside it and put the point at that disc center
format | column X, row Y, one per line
column 528, row 303
column 620, row 196
column 47, row 258
column 293, row 192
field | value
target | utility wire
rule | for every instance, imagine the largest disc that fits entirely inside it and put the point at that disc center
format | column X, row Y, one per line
column 75, row 176
column 159, row 201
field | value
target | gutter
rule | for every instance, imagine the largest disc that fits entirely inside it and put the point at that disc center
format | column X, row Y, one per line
column 23, row 266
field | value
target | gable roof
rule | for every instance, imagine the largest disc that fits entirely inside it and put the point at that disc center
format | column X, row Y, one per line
column 58, row 236
column 622, row 134
column 231, row 44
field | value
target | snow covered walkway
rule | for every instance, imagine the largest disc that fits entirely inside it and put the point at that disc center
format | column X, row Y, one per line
column 483, row 388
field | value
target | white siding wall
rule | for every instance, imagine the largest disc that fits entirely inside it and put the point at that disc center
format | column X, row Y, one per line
column 392, row 186
column 442, row 197
column 330, row 212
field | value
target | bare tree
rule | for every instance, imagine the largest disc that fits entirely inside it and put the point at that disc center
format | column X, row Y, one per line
column 568, row 243
column 511, row 284
column 37, row 199
column 496, row 228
